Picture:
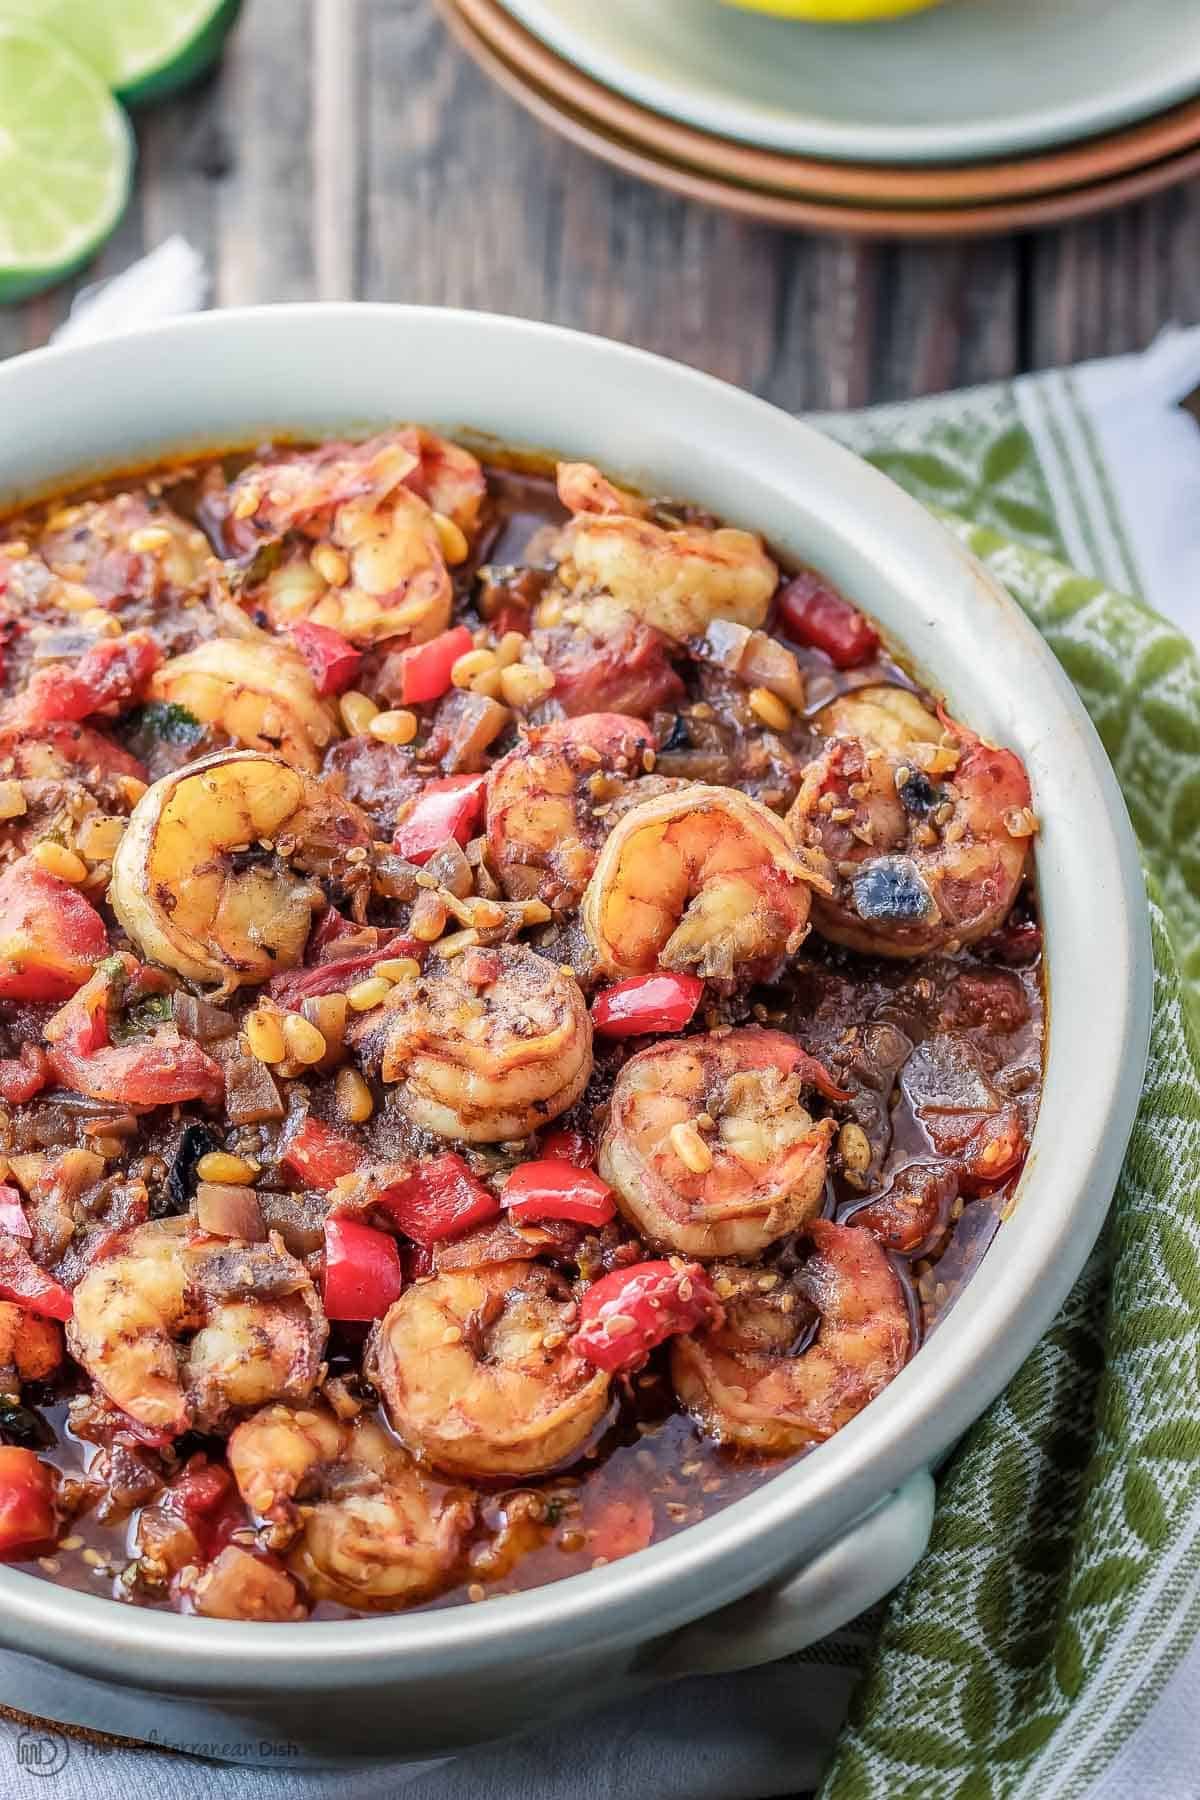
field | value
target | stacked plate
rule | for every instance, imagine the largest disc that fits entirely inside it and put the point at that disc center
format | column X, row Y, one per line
column 981, row 116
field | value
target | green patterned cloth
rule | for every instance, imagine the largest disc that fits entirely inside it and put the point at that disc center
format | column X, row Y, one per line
column 1060, row 1594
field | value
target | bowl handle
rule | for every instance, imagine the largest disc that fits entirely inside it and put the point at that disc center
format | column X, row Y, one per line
column 841, row 1581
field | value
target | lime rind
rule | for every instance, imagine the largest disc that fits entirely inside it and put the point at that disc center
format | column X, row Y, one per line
column 143, row 49
column 66, row 161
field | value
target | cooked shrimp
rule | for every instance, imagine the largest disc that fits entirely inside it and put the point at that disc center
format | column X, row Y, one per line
column 260, row 693
column 477, row 1375
column 218, row 873
column 382, row 515
column 365, row 1527
column 708, row 1144
column 127, row 547
column 548, row 801
column 749, row 1385
column 487, row 1046
column 927, row 827
column 183, row 1331
column 703, row 878
column 678, row 579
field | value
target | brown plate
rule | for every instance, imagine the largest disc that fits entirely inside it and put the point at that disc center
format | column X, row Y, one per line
column 872, row 184
column 771, row 207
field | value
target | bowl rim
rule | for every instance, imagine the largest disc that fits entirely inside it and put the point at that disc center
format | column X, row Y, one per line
column 927, row 575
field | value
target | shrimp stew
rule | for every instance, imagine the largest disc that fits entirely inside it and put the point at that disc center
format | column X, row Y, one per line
column 515, row 1018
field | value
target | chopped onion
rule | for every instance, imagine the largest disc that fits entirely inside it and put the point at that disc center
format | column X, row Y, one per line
column 754, row 658
column 251, row 1095
column 230, row 1212
column 450, row 868
column 200, row 1020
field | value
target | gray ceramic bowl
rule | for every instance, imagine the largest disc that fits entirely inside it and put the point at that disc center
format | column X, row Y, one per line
column 814, row 1545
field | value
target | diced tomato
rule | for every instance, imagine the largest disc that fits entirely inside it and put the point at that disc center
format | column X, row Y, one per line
column 21, row 1077
column 319, row 1155
column 440, row 1199
column 332, row 658
column 111, row 673
column 13, row 1222
column 28, row 1514
column 624, row 1315
column 50, row 936
column 447, row 808
column 362, row 1270
column 569, row 1146
column 646, row 1003
column 86, row 748
column 996, row 1151
column 626, row 671
column 161, row 1070
column 23, row 1281
column 424, row 671
column 1017, row 943
column 813, row 613
column 552, row 1189
column 205, row 1499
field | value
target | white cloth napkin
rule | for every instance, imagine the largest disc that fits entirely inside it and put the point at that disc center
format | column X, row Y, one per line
column 1134, row 507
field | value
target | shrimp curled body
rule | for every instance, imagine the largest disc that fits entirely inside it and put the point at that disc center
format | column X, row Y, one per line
column 477, row 1374
column 746, row 1384
column 764, row 1153
column 360, row 1523
column 927, row 827
column 487, row 1046
column 704, row 879
column 182, row 1332
column 217, row 875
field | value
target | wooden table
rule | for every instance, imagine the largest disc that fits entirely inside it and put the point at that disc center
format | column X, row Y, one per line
column 348, row 148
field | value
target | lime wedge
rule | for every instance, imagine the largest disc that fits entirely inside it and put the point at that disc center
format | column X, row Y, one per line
column 143, row 49
column 66, row 159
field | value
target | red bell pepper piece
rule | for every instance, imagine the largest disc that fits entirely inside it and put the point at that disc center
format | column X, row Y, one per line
column 13, row 1222
column 552, row 1189
column 111, row 673
column 624, row 1315
column 813, row 613
column 28, row 1514
column 332, row 658
column 425, row 669
column 569, row 1146
column 362, row 1270
column 440, row 1199
column 318, row 1155
column 447, row 808
column 23, row 1281
column 646, row 1003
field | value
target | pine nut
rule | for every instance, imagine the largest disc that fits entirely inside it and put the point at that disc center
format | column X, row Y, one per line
column 855, row 1147
column 264, row 1035
column 394, row 727
column 12, row 800
column 398, row 968
column 470, row 665
column 305, row 1043
column 354, row 1099
column 328, row 612
column 770, row 709
column 690, row 1147
column 330, row 565
column 101, row 622
column 524, row 684
column 149, row 539
column 231, row 1171
column 357, row 712
column 366, row 994
column 57, row 861
column 456, row 943
column 508, row 650
column 455, row 547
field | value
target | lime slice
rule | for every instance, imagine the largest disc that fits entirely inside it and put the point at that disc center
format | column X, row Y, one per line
column 66, row 159
column 143, row 49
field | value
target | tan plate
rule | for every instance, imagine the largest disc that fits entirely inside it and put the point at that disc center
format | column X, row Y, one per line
column 872, row 184
column 768, row 206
